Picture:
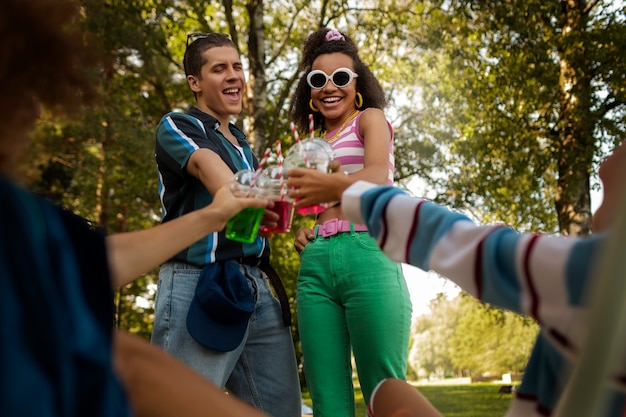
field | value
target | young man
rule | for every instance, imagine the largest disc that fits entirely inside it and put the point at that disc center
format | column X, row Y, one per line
column 249, row 351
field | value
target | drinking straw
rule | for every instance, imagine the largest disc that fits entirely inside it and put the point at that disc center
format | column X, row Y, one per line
column 301, row 151
column 295, row 133
column 279, row 160
column 311, row 126
column 266, row 155
column 262, row 163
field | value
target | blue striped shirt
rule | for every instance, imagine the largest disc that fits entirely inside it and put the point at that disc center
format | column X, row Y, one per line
column 178, row 136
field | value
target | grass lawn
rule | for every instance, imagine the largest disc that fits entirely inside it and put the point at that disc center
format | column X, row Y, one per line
column 466, row 400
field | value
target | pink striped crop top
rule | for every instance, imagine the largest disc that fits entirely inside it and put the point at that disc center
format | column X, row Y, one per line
column 350, row 151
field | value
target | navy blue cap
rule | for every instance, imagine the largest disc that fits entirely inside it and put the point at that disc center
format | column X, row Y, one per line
column 221, row 307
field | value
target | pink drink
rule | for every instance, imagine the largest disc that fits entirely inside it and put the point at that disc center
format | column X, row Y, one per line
column 284, row 209
column 312, row 209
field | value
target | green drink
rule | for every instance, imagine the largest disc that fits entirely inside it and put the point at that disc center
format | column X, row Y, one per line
column 245, row 225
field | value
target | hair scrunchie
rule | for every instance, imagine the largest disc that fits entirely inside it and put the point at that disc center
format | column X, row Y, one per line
column 333, row 35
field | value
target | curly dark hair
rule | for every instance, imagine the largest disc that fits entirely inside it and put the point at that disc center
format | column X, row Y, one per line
column 316, row 45
column 43, row 56
column 46, row 58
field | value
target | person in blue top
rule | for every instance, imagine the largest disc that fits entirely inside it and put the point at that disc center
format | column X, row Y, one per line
column 198, row 152
column 546, row 277
column 59, row 355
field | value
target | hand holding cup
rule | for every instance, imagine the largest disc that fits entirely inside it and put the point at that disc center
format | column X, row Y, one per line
column 313, row 187
column 274, row 182
column 244, row 226
column 314, row 154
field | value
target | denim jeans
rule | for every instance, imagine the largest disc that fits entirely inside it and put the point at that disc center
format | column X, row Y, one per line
column 262, row 370
column 351, row 298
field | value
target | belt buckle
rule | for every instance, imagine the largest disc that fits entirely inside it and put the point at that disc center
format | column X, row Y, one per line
column 329, row 228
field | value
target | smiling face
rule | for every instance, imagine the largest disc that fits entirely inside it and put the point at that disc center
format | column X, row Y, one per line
column 221, row 83
column 335, row 103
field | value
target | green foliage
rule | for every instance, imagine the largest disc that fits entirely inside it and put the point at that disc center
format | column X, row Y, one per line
column 135, row 305
column 286, row 261
column 429, row 353
column 463, row 337
column 490, row 340
column 515, row 98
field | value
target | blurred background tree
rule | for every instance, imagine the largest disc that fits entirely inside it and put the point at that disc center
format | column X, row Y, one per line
column 462, row 337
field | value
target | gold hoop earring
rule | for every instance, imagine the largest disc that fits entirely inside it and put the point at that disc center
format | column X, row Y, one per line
column 312, row 106
column 358, row 100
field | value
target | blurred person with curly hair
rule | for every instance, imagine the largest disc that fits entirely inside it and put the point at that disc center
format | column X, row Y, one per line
column 58, row 353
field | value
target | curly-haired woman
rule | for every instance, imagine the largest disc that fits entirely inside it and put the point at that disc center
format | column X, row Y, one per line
column 351, row 298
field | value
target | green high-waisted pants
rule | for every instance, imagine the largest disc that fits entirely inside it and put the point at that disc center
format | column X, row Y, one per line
column 351, row 298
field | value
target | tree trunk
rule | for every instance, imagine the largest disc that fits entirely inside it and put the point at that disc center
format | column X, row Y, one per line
column 256, row 105
column 576, row 148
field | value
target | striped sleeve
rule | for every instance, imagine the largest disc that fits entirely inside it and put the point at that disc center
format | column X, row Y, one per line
column 396, row 221
column 542, row 276
column 178, row 135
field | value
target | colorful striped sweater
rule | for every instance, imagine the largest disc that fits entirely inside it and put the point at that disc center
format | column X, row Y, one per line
column 542, row 276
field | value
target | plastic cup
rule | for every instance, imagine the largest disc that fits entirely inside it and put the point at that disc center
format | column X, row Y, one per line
column 285, row 210
column 244, row 226
column 273, row 183
column 313, row 153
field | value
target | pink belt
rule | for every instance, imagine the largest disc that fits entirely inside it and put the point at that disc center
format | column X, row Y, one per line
column 333, row 226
